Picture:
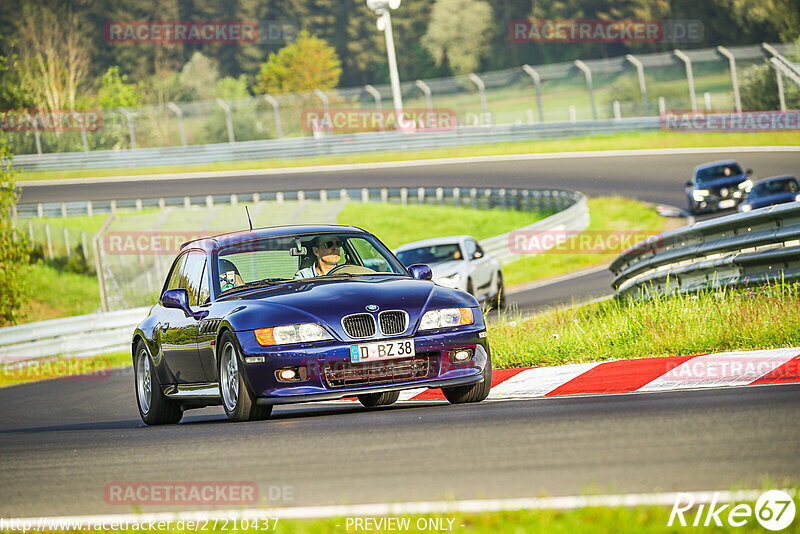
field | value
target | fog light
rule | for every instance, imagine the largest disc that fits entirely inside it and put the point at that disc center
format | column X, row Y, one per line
column 254, row 359
column 287, row 374
column 461, row 355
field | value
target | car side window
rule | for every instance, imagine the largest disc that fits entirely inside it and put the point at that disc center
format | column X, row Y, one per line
column 192, row 275
column 175, row 274
column 471, row 246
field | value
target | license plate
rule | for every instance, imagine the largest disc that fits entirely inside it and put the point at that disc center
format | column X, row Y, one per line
column 382, row 350
column 727, row 203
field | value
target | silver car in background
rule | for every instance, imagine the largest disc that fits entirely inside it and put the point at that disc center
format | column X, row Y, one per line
column 458, row 262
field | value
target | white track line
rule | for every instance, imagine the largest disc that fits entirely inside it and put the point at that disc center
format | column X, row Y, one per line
column 410, row 163
column 388, row 509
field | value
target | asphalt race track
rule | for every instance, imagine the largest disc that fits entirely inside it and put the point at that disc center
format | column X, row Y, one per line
column 63, row 441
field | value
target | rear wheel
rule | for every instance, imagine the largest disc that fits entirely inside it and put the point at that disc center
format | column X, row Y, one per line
column 239, row 403
column 154, row 407
column 371, row 400
column 473, row 393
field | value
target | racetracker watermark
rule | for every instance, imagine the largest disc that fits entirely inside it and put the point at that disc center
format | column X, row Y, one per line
column 741, row 368
column 13, row 369
column 147, row 243
column 199, row 32
column 730, row 121
column 181, row 493
column 351, row 120
column 40, row 120
column 605, row 31
column 560, row 241
column 774, row 510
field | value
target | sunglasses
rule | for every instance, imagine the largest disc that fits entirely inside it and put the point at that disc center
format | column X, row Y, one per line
column 330, row 244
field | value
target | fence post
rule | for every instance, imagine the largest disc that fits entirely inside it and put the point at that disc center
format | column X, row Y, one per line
column 689, row 77
column 279, row 197
column 440, row 195
column 587, row 72
column 209, row 201
column 64, row 209
column 234, row 199
column 662, row 106
column 384, row 195
column 734, row 79
column 617, row 111
column 378, row 101
column 39, row 210
column 179, row 113
column 573, row 115
column 473, row 195
column 426, row 89
column 228, row 121
column 404, row 196
column 364, row 195
column 187, row 203
column 537, row 82
column 301, row 196
column 779, row 77
column 49, row 240
column 83, row 130
column 30, row 231
column 256, row 198
column 89, row 208
column 457, row 196
column 129, row 118
column 66, row 242
column 113, row 207
column 487, row 118
column 84, row 246
column 707, row 98
column 276, row 113
column 642, row 85
column 421, row 195
column 326, row 105
column 323, row 196
column 36, row 135
column 138, row 204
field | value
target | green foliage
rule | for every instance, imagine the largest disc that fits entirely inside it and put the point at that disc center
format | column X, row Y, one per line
column 759, row 89
column 308, row 63
column 459, row 33
column 199, row 76
column 229, row 87
column 115, row 91
column 13, row 247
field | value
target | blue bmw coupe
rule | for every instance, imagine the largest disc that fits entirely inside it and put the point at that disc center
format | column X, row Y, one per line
column 294, row 314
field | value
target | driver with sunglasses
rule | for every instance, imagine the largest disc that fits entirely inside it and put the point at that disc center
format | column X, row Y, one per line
column 326, row 250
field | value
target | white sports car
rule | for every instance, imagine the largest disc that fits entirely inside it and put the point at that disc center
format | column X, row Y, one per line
column 460, row 263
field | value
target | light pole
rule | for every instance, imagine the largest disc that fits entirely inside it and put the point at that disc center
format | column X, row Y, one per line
column 381, row 8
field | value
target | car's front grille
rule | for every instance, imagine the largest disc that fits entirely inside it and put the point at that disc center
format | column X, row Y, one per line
column 344, row 374
column 393, row 322
column 360, row 325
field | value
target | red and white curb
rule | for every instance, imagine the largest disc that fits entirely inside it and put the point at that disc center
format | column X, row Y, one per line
column 640, row 375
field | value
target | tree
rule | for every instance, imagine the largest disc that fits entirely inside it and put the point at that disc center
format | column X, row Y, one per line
column 115, row 91
column 307, row 64
column 759, row 89
column 459, row 33
column 199, row 76
column 53, row 56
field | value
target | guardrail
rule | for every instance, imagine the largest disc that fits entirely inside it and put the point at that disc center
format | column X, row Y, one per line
column 736, row 250
column 110, row 331
column 84, row 335
column 341, row 144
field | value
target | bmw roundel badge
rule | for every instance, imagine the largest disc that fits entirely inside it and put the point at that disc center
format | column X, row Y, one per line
column 372, row 307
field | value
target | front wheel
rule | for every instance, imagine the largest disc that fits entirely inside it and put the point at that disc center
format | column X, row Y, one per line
column 473, row 393
column 371, row 400
column 239, row 403
column 154, row 407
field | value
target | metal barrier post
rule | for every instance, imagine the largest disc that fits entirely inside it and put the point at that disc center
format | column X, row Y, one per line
column 378, row 101
column 587, row 72
column 537, row 82
column 487, row 121
column 642, row 85
column 179, row 113
column 129, row 118
column 228, row 121
column 689, row 76
column 734, row 79
column 322, row 96
column 276, row 113
column 425, row 88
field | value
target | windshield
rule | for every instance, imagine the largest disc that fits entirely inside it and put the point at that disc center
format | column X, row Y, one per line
column 431, row 254
column 275, row 260
column 775, row 187
column 718, row 172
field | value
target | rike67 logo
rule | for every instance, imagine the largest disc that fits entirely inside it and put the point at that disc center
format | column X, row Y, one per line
column 774, row 510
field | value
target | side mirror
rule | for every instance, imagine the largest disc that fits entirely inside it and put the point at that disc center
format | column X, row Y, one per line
column 688, row 183
column 477, row 255
column 749, row 172
column 420, row 271
column 179, row 300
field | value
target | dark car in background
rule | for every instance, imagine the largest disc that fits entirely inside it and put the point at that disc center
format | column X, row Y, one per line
column 717, row 185
column 236, row 325
column 771, row 191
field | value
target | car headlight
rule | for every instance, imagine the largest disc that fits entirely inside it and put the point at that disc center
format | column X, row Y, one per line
column 449, row 280
column 797, row 198
column 446, row 318
column 699, row 194
column 747, row 185
column 746, row 207
column 293, row 333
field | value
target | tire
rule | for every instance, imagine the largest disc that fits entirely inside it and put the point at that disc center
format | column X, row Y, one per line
column 500, row 298
column 372, row 400
column 239, row 403
column 154, row 407
column 473, row 393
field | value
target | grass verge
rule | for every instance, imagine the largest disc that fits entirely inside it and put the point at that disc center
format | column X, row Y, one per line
column 55, row 293
column 624, row 141
column 664, row 326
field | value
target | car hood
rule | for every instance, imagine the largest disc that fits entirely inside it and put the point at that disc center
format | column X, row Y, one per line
column 780, row 198
column 327, row 301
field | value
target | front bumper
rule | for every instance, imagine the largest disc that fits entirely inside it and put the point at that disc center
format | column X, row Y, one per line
column 321, row 360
